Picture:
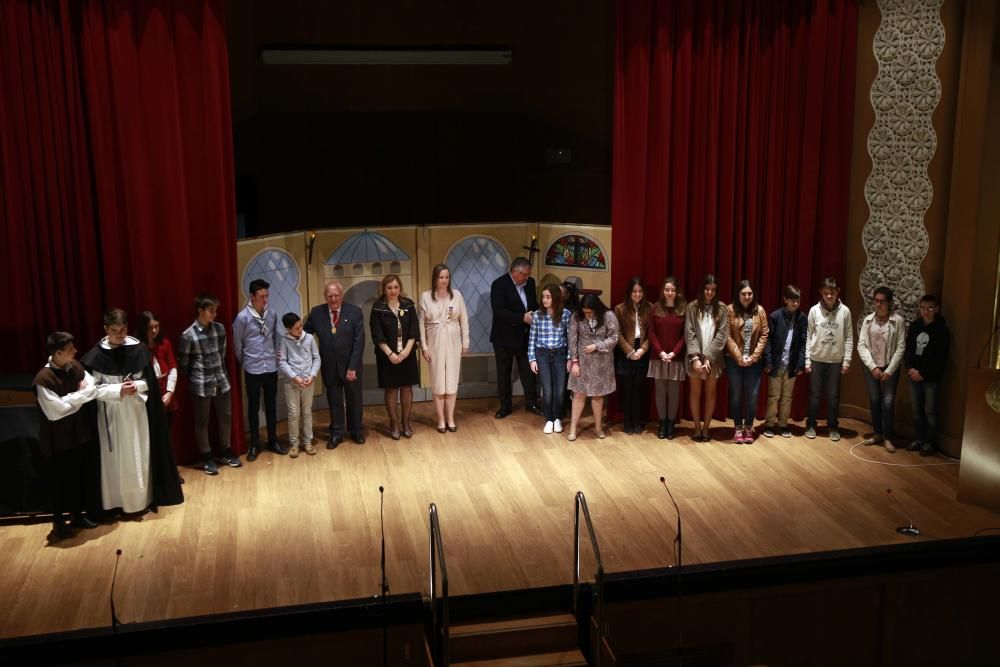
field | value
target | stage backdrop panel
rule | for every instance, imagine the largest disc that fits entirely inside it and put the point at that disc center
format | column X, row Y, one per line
column 279, row 259
column 298, row 265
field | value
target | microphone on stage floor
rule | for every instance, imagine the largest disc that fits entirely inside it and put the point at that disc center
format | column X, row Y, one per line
column 678, row 539
column 679, row 558
column 114, row 577
column 384, row 590
column 385, row 581
column 909, row 528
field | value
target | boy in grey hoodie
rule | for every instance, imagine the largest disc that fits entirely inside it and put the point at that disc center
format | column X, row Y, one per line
column 829, row 346
column 298, row 362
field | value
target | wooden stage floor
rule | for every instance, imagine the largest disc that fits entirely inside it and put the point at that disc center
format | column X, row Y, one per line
column 284, row 531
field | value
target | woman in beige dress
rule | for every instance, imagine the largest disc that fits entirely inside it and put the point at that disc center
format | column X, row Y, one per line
column 444, row 330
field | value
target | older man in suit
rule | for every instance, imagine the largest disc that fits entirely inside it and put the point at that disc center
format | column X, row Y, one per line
column 513, row 299
column 341, row 332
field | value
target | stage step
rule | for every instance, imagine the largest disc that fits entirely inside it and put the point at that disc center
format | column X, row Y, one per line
column 511, row 641
column 559, row 659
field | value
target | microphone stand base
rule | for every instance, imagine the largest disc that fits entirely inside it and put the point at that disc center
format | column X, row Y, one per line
column 910, row 530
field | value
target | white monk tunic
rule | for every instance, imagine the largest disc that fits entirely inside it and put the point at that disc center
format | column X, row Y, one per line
column 123, row 428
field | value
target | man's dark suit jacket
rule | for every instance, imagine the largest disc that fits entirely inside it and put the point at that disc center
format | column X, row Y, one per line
column 509, row 329
column 342, row 351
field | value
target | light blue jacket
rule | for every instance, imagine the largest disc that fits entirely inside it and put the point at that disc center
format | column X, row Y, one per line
column 298, row 357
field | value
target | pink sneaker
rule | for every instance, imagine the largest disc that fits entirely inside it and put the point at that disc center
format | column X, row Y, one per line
column 749, row 436
column 738, row 436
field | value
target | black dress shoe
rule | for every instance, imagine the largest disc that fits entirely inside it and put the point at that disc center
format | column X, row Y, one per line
column 253, row 453
column 359, row 438
column 533, row 408
column 334, row 441
column 60, row 531
column 80, row 521
column 502, row 412
column 278, row 448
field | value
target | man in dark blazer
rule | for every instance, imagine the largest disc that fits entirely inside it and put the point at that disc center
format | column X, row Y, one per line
column 341, row 332
column 513, row 299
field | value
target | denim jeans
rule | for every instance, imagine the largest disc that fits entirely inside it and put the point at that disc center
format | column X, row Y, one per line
column 925, row 400
column 882, row 403
column 552, row 376
column 824, row 379
column 744, row 384
column 505, row 358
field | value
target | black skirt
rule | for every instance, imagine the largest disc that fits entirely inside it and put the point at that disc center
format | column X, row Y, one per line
column 397, row 375
column 385, row 325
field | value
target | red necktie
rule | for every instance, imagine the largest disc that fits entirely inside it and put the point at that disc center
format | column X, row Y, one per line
column 336, row 317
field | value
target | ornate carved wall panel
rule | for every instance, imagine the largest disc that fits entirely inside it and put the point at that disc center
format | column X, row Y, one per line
column 901, row 144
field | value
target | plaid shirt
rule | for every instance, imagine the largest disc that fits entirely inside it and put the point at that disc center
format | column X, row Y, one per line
column 201, row 356
column 546, row 334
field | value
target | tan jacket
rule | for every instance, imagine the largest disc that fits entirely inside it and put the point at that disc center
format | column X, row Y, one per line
column 758, row 335
column 626, row 329
column 707, row 349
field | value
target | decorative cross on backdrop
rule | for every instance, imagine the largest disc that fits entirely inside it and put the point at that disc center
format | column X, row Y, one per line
column 532, row 249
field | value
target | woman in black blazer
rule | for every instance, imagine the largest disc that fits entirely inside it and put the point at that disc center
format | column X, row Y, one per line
column 396, row 336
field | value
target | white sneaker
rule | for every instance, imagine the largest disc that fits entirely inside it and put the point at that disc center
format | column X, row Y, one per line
column 548, row 427
column 557, row 426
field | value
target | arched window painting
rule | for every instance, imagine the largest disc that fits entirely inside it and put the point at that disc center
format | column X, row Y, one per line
column 576, row 250
column 279, row 269
column 475, row 263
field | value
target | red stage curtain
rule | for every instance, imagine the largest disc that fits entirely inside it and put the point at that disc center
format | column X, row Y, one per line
column 732, row 145
column 51, row 273
column 154, row 155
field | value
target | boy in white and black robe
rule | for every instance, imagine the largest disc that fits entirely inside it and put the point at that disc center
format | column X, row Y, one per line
column 137, row 465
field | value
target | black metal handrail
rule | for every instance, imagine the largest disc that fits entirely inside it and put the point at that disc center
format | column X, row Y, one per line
column 439, row 620
column 581, row 503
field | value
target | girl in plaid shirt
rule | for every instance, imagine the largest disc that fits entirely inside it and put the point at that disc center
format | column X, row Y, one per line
column 548, row 354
